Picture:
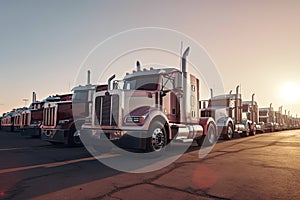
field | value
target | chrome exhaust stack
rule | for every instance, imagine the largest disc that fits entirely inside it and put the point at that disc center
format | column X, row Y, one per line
column 183, row 103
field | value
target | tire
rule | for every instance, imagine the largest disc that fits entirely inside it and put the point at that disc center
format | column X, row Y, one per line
column 253, row 133
column 158, row 137
column 229, row 132
column 246, row 133
column 200, row 140
column 73, row 141
column 211, row 134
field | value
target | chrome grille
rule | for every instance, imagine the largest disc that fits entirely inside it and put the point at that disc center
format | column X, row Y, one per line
column 107, row 110
column 49, row 116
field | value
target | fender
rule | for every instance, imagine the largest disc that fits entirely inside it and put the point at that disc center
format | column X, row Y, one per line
column 246, row 122
column 204, row 121
column 223, row 122
column 150, row 115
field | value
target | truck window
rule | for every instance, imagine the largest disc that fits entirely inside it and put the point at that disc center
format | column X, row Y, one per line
column 80, row 96
column 142, row 83
column 219, row 102
column 168, row 83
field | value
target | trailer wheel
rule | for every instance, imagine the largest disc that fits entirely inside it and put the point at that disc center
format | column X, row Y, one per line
column 229, row 132
column 158, row 137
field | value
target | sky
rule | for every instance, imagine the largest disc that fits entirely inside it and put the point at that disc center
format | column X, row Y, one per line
column 252, row 43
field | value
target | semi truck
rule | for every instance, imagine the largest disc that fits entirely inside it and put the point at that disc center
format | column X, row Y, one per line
column 7, row 121
column 227, row 111
column 11, row 120
column 267, row 119
column 251, row 113
column 62, row 119
column 33, row 116
column 151, row 109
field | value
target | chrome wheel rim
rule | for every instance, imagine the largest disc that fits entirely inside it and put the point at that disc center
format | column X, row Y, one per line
column 158, row 139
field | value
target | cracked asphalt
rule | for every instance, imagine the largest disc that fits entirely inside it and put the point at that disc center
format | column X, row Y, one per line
column 266, row 166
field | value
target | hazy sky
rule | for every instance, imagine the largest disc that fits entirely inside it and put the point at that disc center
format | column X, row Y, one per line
column 253, row 43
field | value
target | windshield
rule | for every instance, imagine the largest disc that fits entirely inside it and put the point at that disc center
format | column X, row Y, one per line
column 142, row 83
column 80, row 96
column 219, row 102
column 263, row 113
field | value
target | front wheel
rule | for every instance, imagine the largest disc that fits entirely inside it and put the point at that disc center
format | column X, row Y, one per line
column 158, row 137
column 211, row 134
column 74, row 139
column 253, row 132
column 229, row 132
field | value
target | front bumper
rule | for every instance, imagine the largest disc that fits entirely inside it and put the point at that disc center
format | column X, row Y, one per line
column 55, row 135
column 31, row 131
column 129, row 139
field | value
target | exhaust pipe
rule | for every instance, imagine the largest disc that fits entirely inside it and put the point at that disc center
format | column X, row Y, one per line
column 183, row 59
column 183, row 102
column 138, row 66
column 109, row 81
column 253, row 111
column 33, row 97
column 237, row 119
column 88, row 77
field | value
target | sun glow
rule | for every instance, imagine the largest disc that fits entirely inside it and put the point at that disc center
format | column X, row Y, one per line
column 290, row 92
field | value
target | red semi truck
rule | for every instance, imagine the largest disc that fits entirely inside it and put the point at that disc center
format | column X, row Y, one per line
column 153, row 108
column 33, row 116
column 7, row 121
column 62, row 118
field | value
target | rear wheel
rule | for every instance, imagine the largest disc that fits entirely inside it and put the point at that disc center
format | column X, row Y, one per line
column 158, row 137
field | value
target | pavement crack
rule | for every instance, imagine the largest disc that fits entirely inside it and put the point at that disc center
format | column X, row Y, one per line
column 145, row 181
column 201, row 193
column 20, row 186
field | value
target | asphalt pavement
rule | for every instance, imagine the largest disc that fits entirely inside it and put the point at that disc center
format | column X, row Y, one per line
column 265, row 166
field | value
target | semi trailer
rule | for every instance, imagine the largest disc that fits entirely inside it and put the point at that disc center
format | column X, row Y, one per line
column 151, row 109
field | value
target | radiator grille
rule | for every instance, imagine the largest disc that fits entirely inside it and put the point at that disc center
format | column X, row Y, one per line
column 49, row 116
column 107, row 110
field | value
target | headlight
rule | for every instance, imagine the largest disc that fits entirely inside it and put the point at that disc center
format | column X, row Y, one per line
column 134, row 119
column 64, row 121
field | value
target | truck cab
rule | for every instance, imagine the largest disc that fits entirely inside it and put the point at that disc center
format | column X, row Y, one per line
column 62, row 120
column 149, row 108
column 267, row 119
column 227, row 111
column 32, row 118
